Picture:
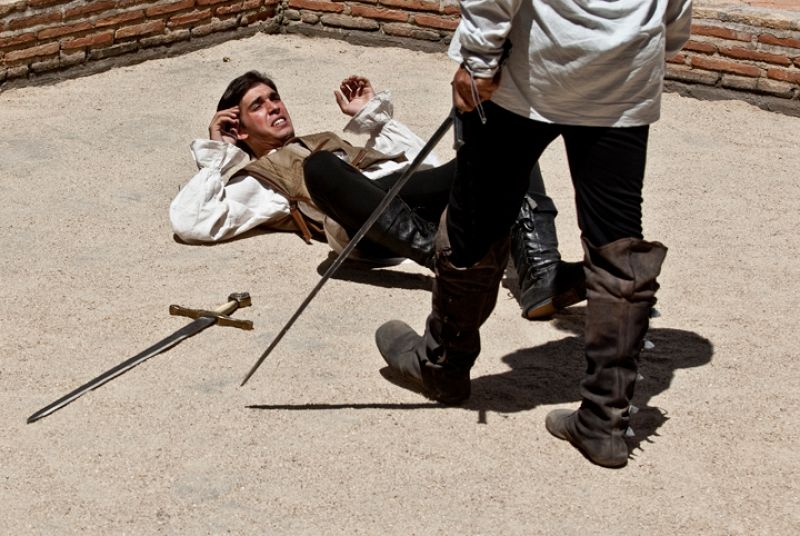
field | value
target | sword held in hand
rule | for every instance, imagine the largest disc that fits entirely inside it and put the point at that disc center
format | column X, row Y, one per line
column 390, row 195
column 203, row 320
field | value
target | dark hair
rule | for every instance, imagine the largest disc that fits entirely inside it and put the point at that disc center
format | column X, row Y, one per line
column 241, row 85
column 235, row 91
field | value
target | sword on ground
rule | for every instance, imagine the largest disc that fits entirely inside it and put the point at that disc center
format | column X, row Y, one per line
column 203, row 320
column 390, row 195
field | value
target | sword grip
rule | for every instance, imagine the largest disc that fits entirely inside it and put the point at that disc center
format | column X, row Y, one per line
column 228, row 308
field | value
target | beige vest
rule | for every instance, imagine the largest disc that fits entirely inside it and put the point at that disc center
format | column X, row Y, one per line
column 282, row 171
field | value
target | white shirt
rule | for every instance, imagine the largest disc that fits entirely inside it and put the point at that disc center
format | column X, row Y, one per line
column 575, row 62
column 211, row 207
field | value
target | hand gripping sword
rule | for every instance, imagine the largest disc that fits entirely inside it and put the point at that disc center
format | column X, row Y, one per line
column 390, row 195
column 203, row 320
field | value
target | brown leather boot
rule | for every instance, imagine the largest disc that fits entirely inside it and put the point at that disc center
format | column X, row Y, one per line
column 439, row 361
column 621, row 285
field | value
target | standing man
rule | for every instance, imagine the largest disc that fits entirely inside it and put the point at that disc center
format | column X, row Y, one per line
column 590, row 71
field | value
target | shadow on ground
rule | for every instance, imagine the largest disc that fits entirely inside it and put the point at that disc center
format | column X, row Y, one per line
column 375, row 275
column 550, row 374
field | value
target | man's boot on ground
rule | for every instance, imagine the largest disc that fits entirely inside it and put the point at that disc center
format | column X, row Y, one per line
column 403, row 233
column 621, row 285
column 546, row 283
column 439, row 361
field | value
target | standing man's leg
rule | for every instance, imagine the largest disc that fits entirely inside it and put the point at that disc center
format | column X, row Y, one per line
column 546, row 283
column 472, row 247
column 607, row 167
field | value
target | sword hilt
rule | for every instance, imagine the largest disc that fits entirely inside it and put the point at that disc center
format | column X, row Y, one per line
column 236, row 300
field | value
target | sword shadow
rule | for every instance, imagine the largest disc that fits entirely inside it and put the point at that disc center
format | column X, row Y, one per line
column 387, row 374
column 333, row 407
column 324, row 407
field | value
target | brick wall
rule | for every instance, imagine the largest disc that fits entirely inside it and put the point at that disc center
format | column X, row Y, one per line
column 746, row 54
column 743, row 54
column 420, row 24
column 43, row 39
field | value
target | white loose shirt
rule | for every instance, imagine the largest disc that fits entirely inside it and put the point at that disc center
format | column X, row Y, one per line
column 212, row 207
column 575, row 62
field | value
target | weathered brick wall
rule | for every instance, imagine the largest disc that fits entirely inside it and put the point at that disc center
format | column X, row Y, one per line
column 40, row 39
column 744, row 54
column 748, row 54
column 421, row 24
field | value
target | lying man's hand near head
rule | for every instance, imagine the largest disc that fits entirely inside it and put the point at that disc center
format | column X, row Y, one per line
column 224, row 125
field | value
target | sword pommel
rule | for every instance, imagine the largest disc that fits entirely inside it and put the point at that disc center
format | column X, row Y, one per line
column 242, row 298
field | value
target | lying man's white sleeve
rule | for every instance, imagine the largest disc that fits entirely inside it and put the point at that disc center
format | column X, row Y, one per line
column 387, row 135
column 210, row 208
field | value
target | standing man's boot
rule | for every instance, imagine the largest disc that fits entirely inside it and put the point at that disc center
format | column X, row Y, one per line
column 621, row 285
column 439, row 361
column 546, row 283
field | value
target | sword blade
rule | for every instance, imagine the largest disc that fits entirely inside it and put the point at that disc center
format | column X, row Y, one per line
column 165, row 344
column 390, row 195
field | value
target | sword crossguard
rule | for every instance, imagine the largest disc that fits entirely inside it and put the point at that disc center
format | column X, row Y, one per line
column 235, row 301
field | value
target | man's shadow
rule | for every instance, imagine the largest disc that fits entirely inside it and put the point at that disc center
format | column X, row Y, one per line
column 353, row 270
column 375, row 274
column 551, row 373
column 544, row 375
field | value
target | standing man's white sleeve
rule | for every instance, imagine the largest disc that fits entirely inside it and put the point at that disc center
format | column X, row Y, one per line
column 678, row 20
column 482, row 33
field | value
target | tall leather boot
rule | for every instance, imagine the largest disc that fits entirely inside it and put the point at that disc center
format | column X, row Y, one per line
column 621, row 285
column 439, row 361
column 403, row 233
column 546, row 283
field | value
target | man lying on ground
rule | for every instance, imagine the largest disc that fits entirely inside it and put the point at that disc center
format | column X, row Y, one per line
column 254, row 171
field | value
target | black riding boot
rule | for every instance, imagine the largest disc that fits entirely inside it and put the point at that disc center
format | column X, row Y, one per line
column 403, row 233
column 621, row 285
column 546, row 283
column 463, row 298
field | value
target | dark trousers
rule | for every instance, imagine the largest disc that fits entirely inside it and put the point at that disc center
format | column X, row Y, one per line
column 346, row 195
column 494, row 169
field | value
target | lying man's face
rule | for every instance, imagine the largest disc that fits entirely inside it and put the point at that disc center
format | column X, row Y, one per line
column 264, row 122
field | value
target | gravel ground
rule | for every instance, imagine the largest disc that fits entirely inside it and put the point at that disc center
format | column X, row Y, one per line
column 318, row 441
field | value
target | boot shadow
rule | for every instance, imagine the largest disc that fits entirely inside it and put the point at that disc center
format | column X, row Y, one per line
column 376, row 275
column 550, row 374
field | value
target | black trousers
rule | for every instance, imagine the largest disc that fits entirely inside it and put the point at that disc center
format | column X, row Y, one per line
column 346, row 195
column 495, row 163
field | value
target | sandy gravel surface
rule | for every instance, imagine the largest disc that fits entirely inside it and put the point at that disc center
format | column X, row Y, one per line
column 782, row 5
column 319, row 442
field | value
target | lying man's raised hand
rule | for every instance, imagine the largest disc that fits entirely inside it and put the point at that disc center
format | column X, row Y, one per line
column 354, row 93
column 225, row 125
